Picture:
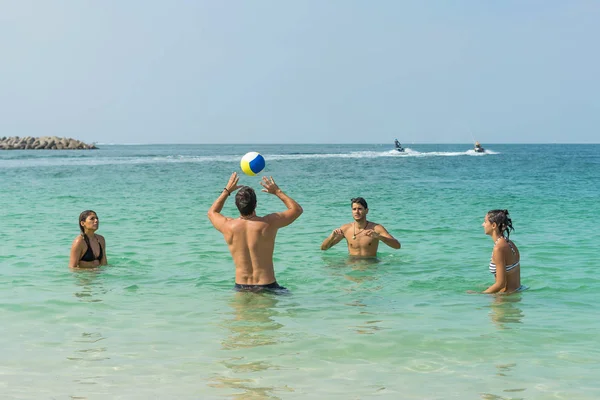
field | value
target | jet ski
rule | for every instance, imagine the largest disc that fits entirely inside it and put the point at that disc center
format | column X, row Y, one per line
column 478, row 148
column 398, row 146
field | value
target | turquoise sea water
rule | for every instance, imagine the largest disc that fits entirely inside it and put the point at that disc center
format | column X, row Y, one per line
column 162, row 320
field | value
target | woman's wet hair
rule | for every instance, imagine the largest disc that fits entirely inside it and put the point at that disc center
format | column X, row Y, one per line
column 501, row 218
column 82, row 217
column 245, row 200
column 359, row 200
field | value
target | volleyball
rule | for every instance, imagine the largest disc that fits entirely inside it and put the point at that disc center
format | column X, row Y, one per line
column 252, row 163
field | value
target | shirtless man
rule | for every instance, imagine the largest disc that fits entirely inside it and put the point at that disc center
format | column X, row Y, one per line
column 251, row 239
column 362, row 236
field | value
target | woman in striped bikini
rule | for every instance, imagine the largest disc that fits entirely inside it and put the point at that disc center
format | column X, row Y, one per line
column 505, row 262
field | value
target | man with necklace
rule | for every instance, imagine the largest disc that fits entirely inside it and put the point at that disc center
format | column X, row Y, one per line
column 362, row 236
column 251, row 238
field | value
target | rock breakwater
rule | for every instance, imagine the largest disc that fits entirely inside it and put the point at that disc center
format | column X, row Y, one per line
column 43, row 143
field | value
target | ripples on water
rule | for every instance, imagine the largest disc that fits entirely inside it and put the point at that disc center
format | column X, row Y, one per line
column 162, row 320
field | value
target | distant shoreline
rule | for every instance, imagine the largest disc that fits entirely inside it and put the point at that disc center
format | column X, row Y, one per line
column 43, row 143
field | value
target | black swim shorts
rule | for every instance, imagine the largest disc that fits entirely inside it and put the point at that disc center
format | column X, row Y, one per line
column 271, row 287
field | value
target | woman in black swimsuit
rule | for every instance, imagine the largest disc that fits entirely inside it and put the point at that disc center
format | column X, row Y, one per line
column 88, row 249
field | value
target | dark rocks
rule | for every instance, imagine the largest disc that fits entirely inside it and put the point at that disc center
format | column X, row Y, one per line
column 43, row 143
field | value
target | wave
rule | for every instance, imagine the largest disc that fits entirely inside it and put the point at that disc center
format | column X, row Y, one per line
column 408, row 152
column 51, row 161
column 118, row 144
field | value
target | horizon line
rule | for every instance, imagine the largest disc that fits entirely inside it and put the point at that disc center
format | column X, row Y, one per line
column 320, row 144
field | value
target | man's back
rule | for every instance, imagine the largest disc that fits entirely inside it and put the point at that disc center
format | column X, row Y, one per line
column 251, row 243
column 251, row 239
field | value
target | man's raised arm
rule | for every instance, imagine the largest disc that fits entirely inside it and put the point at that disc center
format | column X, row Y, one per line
column 336, row 236
column 214, row 212
column 294, row 210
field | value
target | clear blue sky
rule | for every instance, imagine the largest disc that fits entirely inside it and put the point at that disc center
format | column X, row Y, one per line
column 314, row 71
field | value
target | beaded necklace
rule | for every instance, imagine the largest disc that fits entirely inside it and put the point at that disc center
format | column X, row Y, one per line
column 354, row 229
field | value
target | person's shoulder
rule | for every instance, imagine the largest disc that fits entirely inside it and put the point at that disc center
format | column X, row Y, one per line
column 513, row 245
column 268, row 219
column 100, row 237
column 346, row 226
column 78, row 240
column 229, row 222
column 502, row 243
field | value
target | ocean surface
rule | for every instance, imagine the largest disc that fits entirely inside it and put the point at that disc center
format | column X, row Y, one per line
column 162, row 321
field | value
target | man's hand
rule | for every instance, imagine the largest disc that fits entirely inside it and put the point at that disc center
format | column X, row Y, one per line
column 269, row 185
column 333, row 239
column 372, row 233
column 232, row 185
column 337, row 233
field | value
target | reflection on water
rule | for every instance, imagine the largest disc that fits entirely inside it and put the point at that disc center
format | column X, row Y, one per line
column 88, row 346
column 369, row 323
column 489, row 396
column 245, row 388
column 90, row 285
column 364, row 273
column 505, row 372
column 88, row 349
column 505, row 369
column 356, row 270
column 252, row 329
column 252, row 323
column 505, row 314
column 504, row 310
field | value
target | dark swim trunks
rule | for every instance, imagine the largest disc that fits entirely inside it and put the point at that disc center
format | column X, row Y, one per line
column 271, row 287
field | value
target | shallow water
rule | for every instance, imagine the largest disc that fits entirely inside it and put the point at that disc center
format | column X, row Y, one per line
column 162, row 320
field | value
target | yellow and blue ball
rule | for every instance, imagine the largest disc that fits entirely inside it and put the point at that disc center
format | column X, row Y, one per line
column 252, row 163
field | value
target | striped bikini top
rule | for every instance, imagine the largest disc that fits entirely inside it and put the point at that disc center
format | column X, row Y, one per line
column 508, row 267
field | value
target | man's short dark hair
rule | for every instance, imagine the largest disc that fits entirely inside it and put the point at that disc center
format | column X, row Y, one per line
column 245, row 200
column 359, row 200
